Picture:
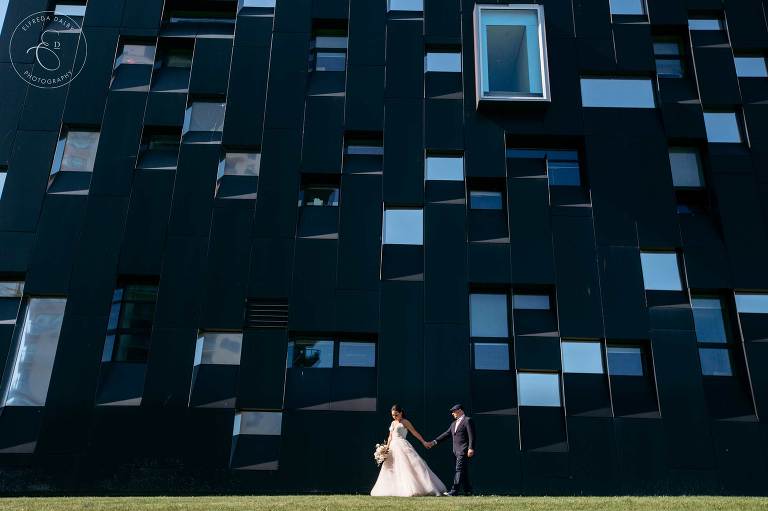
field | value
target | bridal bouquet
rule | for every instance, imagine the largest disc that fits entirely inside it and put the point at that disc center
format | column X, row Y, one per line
column 380, row 453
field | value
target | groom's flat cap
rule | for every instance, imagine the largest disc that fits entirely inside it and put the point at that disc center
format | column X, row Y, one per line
column 456, row 407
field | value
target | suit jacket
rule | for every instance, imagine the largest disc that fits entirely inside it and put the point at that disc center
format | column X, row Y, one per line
column 463, row 437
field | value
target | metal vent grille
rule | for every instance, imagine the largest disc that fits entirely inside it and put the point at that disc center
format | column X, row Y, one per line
column 266, row 313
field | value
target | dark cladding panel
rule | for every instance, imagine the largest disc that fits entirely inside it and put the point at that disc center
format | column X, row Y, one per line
column 323, row 135
column 246, row 96
column 262, row 369
column 88, row 92
column 403, row 152
column 57, row 233
column 578, row 284
column 314, row 277
column 26, row 180
column 445, row 280
column 621, row 282
column 360, row 232
column 226, row 279
column 210, row 67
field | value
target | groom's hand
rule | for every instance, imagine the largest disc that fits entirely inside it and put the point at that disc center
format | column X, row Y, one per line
column 470, row 452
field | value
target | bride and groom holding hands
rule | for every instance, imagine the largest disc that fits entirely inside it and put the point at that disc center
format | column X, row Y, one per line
column 405, row 474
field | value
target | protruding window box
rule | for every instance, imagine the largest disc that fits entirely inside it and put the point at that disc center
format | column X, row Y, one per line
column 511, row 54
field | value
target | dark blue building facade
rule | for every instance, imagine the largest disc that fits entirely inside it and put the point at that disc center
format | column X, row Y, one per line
column 234, row 233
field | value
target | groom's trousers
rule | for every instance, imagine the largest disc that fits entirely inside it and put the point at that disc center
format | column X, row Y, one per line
column 461, row 476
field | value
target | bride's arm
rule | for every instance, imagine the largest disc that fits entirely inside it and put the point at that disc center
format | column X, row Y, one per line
column 389, row 438
column 413, row 431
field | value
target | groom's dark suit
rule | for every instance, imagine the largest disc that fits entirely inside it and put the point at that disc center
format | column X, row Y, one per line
column 463, row 440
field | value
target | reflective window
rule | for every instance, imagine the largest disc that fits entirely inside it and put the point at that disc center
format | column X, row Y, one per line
column 135, row 54
column 11, row 289
column 442, row 62
column 3, row 9
column 10, row 299
column 267, row 4
column 668, row 53
column 538, row 389
column 485, row 199
column 405, row 5
column 752, row 303
column 328, row 50
column 319, row 196
column 3, row 175
column 625, row 361
column 715, row 361
column 258, row 423
column 70, row 10
column 159, row 149
column 240, row 164
column 660, row 271
column 204, row 116
column 357, row 354
column 617, row 93
column 686, row 167
column 403, row 227
column 175, row 58
column 364, row 148
column 218, row 348
column 488, row 315
column 530, row 302
column 751, row 66
column 491, row 356
column 26, row 383
column 130, row 324
column 445, row 168
column 708, row 319
column 563, row 168
column 627, row 6
column 705, row 24
column 309, row 353
column 722, row 127
column 512, row 46
column 75, row 152
column 582, row 357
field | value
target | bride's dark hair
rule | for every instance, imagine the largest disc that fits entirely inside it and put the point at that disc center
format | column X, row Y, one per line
column 397, row 408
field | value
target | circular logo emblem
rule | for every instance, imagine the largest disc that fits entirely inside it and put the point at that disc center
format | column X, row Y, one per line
column 48, row 50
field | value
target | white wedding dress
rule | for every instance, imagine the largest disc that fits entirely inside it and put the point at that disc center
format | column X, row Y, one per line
column 404, row 473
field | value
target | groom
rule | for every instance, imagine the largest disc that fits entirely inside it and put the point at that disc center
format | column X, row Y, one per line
column 462, row 429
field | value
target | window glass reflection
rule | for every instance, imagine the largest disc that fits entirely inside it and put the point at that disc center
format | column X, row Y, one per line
column 27, row 382
column 722, row 127
column 660, row 271
column 218, row 348
column 485, row 199
column 625, row 361
column 715, row 361
column 488, row 315
column 310, row 354
column 582, row 357
column 708, row 319
column 617, row 93
column 403, row 227
column 357, row 354
column 538, row 389
column 491, row 356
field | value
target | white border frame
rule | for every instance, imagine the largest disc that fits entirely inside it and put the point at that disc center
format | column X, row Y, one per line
column 543, row 58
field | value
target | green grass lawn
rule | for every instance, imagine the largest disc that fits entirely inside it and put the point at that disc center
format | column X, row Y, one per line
column 344, row 502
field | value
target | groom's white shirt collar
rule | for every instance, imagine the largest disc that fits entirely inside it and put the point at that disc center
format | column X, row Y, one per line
column 458, row 421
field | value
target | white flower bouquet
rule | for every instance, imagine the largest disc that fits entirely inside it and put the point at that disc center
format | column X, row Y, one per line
column 380, row 453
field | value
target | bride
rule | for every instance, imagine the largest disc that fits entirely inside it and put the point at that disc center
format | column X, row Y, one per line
column 404, row 473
